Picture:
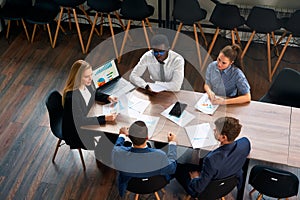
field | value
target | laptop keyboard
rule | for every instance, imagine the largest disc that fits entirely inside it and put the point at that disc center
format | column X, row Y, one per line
column 120, row 87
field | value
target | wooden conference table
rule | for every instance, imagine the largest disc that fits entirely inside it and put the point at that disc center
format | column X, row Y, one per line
column 266, row 125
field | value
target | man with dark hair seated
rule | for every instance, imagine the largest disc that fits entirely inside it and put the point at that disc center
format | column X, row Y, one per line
column 225, row 161
column 139, row 160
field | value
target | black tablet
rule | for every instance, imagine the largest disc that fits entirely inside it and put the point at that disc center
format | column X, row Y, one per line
column 177, row 109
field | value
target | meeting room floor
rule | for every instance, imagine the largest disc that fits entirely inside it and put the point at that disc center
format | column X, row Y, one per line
column 28, row 71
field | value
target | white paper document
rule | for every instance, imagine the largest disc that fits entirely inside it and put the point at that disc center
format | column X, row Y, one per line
column 204, row 105
column 137, row 104
column 201, row 135
column 151, row 123
column 156, row 87
column 119, row 107
column 182, row 121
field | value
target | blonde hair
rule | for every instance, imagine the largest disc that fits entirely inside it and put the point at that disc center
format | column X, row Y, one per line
column 74, row 79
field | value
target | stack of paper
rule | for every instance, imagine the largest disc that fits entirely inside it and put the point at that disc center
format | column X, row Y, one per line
column 201, row 135
column 204, row 105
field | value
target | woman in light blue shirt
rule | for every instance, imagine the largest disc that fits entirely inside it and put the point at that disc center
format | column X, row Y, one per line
column 225, row 83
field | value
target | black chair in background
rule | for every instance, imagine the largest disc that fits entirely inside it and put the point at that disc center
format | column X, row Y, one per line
column 55, row 111
column 147, row 185
column 226, row 17
column 71, row 6
column 292, row 27
column 273, row 182
column 263, row 21
column 42, row 13
column 285, row 89
column 218, row 189
column 137, row 10
column 105, row 7
column 189, row 13
column 15, row 10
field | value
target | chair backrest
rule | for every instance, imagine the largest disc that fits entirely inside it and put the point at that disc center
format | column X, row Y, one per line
column 105, row 6
column 147, row 185
column 285, row 89
column 263, row 20
column 292, row 24
column 188, row 12
column 218, row 188
column 55, row 110
column 136, row 9
column 273, row 182
column 226, row 16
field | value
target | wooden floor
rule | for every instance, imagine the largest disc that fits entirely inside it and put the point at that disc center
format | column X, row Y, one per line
column 27, row 73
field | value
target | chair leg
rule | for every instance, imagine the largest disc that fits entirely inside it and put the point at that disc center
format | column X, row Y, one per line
column 136, row 197
column 120, row 20
column 113, row 36
column 101, row 24
column 237, row 36
column 274, row 43
column 149, row 25
column 223, row 198
column 56, row 149
column 259, row 197
column 176, row 36
column 58, row 26
column 248, row 44
column 188, row 197
column 33, row 32
column 8, row 27
column 69, row 16
column 49, row 33
column 210, row 48
column 202, row 34
column 197, row 45
column 281, row 55
column 146, row 35
column 269, row 56
column 88, row 17
column 25, row 29
column 82, row 160
column 232, row 37
column 91, row 33
column 124, row 41
column 157, row 196
column 78, row 31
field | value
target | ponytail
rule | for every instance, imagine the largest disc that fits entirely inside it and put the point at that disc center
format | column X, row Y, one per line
column 234, row 52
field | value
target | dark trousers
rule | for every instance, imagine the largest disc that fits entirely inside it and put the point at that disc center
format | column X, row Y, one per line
column 183, row 177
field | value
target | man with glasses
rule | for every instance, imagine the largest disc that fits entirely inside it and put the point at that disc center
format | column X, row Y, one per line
column 165, row 67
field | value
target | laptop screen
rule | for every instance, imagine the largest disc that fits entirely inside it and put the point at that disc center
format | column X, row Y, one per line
column 105, row 73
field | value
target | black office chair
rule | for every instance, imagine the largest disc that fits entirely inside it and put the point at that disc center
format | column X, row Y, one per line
column 291, row 26
column 55, row 110
column 147, row 185
column 273, row 182
column 189, row 13
column 226, row 17
column 15, row 10
column 285, row 89
column 263, row 21
column 42, row 13
column 105, row 7
column 218, row 189
column 71, row 6
column 137, row 10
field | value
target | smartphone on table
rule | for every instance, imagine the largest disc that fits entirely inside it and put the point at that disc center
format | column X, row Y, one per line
column 177, row 109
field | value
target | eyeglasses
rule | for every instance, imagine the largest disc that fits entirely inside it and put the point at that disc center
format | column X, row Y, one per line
column 161, row 52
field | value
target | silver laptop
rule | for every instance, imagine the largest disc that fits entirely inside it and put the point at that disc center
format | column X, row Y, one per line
column 108, row 80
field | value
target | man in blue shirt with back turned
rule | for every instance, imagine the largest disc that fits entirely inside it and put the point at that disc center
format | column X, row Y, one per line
column 139, row 160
